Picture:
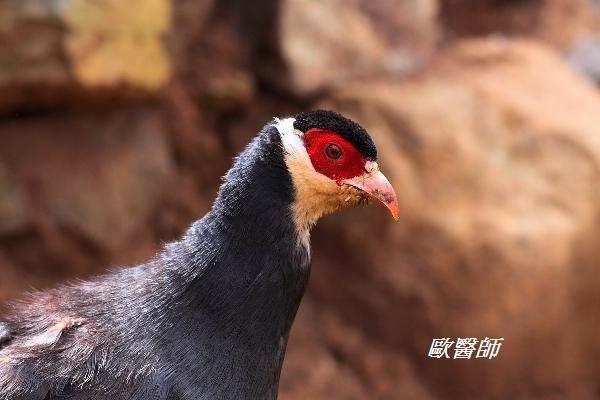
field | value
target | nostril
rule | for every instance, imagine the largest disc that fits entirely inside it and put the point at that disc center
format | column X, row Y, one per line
column 371, row 166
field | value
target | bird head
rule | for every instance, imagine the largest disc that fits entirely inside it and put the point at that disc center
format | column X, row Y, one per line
column 332, row 161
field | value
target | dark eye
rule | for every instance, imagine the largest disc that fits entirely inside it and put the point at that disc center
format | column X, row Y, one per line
column 333, row 151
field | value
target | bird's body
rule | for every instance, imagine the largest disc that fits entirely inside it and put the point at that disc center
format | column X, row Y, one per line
column 207, row 318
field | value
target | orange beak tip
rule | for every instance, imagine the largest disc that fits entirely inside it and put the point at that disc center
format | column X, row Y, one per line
column 377, row 187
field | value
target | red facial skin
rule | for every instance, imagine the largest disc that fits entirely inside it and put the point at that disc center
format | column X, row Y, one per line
column 346, row 165
column 349, row 164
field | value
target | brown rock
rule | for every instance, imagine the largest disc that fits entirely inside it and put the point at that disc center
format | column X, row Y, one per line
column 188, row 18
column 584, row 323
column 495, row 157
column 557, row 22
column 68, row 50
column 12, row 212
column 328, row 42
column 584, row 56
column 330, row 359
column 99, row 176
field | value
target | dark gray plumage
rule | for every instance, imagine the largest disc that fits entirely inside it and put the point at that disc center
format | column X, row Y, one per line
column 207, row 318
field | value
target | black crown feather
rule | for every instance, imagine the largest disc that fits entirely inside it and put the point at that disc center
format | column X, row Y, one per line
column 348, row 129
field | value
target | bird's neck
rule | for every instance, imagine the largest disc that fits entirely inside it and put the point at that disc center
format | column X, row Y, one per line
column 236, row 279
column 248, row 270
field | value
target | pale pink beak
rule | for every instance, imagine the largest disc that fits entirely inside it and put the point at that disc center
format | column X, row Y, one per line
column 377, row 187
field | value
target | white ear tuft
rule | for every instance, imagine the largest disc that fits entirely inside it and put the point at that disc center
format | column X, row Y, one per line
column 291, row 138
column 284, row 125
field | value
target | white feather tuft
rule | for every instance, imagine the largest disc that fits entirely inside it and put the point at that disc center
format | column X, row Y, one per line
column 296, row 155
column 293, row 142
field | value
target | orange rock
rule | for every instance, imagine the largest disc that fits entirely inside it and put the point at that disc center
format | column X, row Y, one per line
column 556, row 22
column 327, row 42
column 494, row 153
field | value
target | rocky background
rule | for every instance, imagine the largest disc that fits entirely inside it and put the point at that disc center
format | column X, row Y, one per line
column 117, row 119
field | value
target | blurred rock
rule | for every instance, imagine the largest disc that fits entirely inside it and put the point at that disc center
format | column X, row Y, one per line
column 188, row 18
column 78, row 50
column 497, row 170
column 329, row 359
column 12, row 212
column 224, row 79
column 80, row 193
column 213, row 83
column 584, row 294
column 98, row 176
column 585, row 57
column 557, row 22
column 325, row 43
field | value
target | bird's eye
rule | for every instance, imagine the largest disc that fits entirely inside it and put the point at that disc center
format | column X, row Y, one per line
column 333, row 151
